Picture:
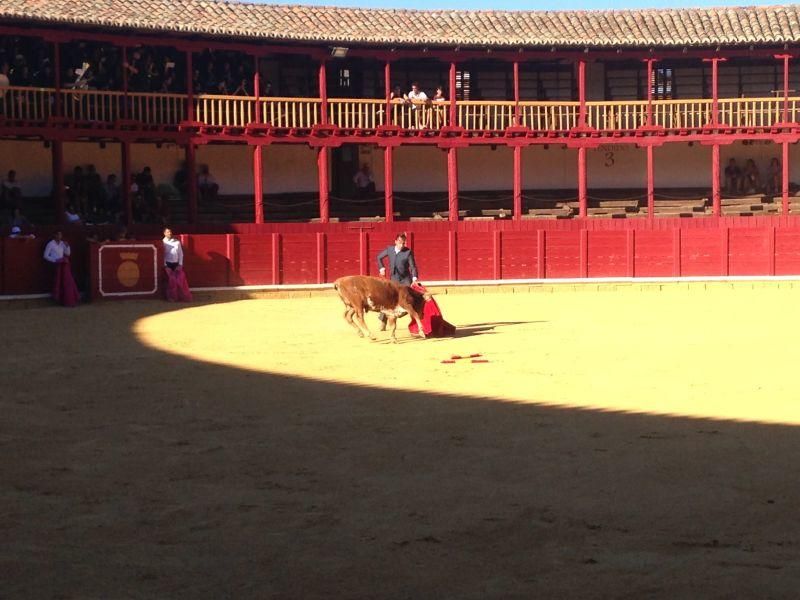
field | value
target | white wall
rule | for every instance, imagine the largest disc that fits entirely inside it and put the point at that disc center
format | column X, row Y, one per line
column 33, row 164
column 616, row 166
column 485, row 169
column 287, row 168
column 420, row 169
column 553, row 168
column 231, row 165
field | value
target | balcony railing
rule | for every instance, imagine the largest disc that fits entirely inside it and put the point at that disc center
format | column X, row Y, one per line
column 39, row 104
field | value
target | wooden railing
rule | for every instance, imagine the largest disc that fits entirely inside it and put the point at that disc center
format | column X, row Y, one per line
column 356, row 114
column 420, row 114
column 38, row 104
column 224, row 111
column 291, row 113
column 26, row 103
column 549, row 116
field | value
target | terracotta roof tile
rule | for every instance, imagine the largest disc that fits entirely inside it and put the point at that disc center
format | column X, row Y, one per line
column 668, row 27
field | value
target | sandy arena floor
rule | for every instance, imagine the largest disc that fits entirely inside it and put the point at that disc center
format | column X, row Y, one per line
column 618, row 444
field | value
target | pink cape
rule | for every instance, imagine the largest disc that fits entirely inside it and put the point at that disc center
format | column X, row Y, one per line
column 65, row 292
column 432, row 321
column 177, row 286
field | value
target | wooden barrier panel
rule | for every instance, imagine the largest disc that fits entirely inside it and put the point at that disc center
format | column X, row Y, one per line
column 298, row 258
column 749, row 251
column 475, row 256
column 607, row 254
column 342, row 256
column 253, row 263
column 562, row 254
column 654, row 254
column 519, row 257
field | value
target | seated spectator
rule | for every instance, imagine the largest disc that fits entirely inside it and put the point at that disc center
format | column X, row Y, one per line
column 396, row 94
column 365, row 186
column 267, row 91
column 733, row 177
column 18, row 219
column 439, row 95
column 112, row 197
column 241, row 90
column 72, row 216
column 57, row 253
column 752, row 177
column 774, row 177
column 147, row 187
column 16, row 233
column 177, row 285
column 11, row 192
column 439, row 113
column 206, row 185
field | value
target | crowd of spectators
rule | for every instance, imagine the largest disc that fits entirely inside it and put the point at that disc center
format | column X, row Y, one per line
column 748, row 179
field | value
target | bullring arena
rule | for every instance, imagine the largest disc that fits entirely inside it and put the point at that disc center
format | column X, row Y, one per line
column 603, row 203
column 259, row 448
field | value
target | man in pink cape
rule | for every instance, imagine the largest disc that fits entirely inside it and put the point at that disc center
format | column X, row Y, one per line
column 177, row 285
column 57, row 253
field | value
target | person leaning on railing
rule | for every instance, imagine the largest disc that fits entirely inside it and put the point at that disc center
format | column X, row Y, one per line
column 417, row 98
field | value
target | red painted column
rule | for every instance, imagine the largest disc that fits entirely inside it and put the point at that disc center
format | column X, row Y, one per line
column 57, row 152
column 387, row 91
column 714, row 88
column 190, row 114
column 257, row 94
column 785, row 58
column 650, row 62
column 323, row 95
column 582, row 93
column 388, row 183
column 785, row 179
column 517, row 183
column 324, row 199
column 453, row 114
column 57, row 77
column 258, row 183
column 715, row 193
column 516, row 93
column 125, row 100
column 651, row 196
column 191, row 180
column 452, row 183
column 583, row 200
column 125, row 183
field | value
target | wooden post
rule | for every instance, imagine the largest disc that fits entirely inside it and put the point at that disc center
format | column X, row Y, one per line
column 323, row 95
column 257, row 95
column 125, row 183
column 517, row 183
column 785, row 179
column 258, row 184
column 322, row 171
column 650, row 82
column 190, row 113
column 785, row 58
column 388, row 183
column 651, row 195
column 582, row 93
column 57, row 79
column 583, row 199
column 57, row 154
column 387, row 89
column 714, row 88
column 516, row 93
column 452, row 183
column 125, row 100
column 191, row 181
column 452, row 82
column 715, row 192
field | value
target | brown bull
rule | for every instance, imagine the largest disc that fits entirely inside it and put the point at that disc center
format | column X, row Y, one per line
column 361, row 293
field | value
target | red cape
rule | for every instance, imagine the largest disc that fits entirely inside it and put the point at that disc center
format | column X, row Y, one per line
column 65, row 292
column 432, row 320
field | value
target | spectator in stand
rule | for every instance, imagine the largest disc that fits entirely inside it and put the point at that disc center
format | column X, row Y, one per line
column 177, row 285
column 57, row 253
column 752, row 177
column 775, row 177
column 242, row 89
column 417, row 98
column 136, row 75
column 206, row 185
column 147, row 187
column 416, row 94
column 397, row 93
column 5, row 81
column 733, row 177
column 267, row 91
column 112, row 197
column 19, row 220
column 365, row 185
column 439, row 114
column 439, row 95
column 72, row 216
column 16, row 233
column 12, row 191
column 77, row 191
column 94, row 194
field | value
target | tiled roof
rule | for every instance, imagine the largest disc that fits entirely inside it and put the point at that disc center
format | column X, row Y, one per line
column 669, row 27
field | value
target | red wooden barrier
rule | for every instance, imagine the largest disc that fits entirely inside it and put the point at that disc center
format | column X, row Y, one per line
column 498, row 250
